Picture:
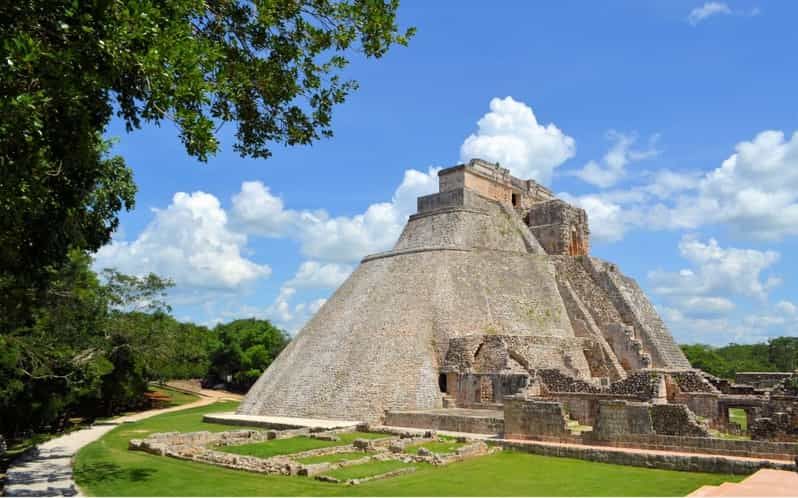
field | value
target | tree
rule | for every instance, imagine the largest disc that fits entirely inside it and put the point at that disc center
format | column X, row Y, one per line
column 782, row 353
column 245, row 350
column 271, row 66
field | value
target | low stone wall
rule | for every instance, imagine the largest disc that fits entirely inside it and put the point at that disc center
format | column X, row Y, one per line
column 691, row 463
column 584, row 407
column 692, row 381
column 618, row 418
column 676, row 420
column 192, row 446
column 716, row 446
column 203, row 447
column 703, row 404
column 761, row 379
column 445, row 422
column 524, row 417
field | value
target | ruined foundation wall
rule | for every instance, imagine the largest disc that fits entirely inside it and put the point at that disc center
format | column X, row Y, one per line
column 617, row 419
column 525, row 417
column 676, row 420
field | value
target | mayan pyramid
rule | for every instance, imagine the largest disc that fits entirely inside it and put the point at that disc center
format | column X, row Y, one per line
column 490, row 260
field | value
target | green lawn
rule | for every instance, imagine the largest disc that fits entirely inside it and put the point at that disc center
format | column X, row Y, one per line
column 367, row 469
column 297, row 444
column 334, row 458
column 107, row 468
column 738, row 416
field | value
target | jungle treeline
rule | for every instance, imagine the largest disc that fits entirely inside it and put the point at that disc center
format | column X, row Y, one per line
column 776, row 355
column 95, row 342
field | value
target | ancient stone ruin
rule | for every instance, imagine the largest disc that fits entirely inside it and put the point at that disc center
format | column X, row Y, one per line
column 490, row 316
column 489, row 291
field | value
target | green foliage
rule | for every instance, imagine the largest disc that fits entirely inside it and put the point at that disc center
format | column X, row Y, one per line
column 779, row 354
column 92, row 347
column 243, row 351
column 66, row 68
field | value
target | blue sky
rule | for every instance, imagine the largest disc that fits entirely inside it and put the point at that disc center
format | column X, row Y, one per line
column 670, row 122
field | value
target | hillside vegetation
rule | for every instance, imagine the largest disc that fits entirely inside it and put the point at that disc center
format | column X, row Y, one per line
column 776, row 355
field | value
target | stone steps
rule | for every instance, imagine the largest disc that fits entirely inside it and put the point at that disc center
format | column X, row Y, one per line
column 765, row 482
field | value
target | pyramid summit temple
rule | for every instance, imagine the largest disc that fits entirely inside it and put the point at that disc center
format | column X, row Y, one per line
column 489, row 289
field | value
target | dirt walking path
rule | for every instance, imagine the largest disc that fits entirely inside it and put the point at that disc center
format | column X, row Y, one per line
column 47, row 470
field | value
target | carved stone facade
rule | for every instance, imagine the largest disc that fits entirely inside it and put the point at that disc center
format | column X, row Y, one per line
column 559, row 227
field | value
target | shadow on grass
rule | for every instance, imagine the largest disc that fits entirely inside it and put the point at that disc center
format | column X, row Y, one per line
column 103, row 471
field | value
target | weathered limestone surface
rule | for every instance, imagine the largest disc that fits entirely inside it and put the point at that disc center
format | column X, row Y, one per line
column 636, row 310
column 455, row 420
column 762, row 379
column 676, row 420
column 619, row 418
column 528, row 416
column 692, row 463
column 379, row 342
column 466, row 267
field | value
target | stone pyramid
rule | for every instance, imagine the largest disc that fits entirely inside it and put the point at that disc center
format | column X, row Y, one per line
column 491, row 276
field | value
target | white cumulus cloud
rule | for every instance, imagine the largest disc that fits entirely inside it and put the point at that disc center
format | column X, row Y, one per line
column 716, row 271
column 612, row 168
column 511, row 135
column 289, row 316
column 753, row 193
column 191, row 242
column 787, row 307
column 316, row 275
column 323, row 237
column 706, row 11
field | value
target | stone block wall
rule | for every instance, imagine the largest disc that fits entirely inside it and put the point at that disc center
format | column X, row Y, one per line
column 487, row 424
column 556, row 381
column 493, row 182
column 692, row 463
column 676, row 420
column 688, row 444
column 693, row 381
column 702, row 404
column 559, row 227
column 617, row 418
column 533, row 417
column 762, row 379
column 473, row 390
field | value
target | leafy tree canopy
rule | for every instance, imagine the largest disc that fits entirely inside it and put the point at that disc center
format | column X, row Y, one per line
column 270, row 66
column 778, row 354
column 245, row 349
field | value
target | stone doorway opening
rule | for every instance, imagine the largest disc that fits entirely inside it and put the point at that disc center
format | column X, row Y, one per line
column 442, row 383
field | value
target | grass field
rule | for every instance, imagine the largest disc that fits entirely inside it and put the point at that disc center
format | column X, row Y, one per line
column 107, row 468
column 334, row 458
column 368, row 469
column 739, row 416
column 297, row 444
